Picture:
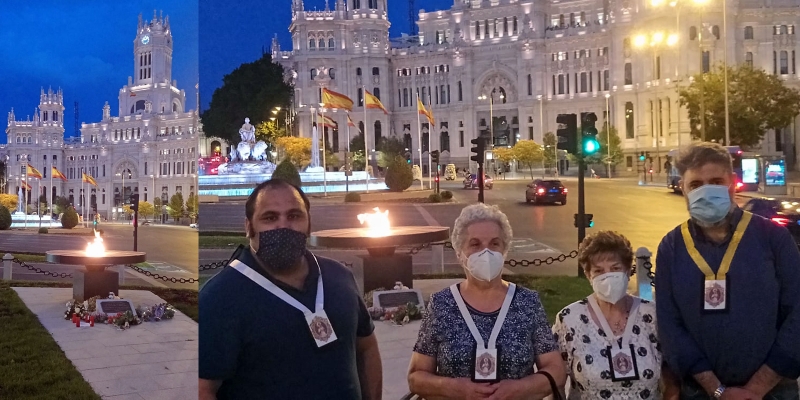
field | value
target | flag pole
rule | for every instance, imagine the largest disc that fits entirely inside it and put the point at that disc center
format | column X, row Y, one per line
column 39, row 203
column 430, row 133
column 324, row 162
column 50, row 199
column 419, row 139
column 366, row 142
column 347, row 177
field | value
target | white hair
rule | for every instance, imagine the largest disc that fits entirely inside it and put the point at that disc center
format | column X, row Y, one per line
column 478, row 213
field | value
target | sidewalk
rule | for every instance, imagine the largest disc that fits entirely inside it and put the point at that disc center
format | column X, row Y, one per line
column 155, row 360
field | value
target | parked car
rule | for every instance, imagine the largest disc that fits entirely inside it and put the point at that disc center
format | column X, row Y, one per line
column 471, row 181
column 784, row 212
column 546, row 191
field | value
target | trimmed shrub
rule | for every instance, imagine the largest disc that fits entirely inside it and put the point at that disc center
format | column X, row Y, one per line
column 398, row 175
column 286, row 171
column 434, row 198
column 42, row 230
column 447, row 195
column 352, row 197
column 70, row 218
column 5, row 218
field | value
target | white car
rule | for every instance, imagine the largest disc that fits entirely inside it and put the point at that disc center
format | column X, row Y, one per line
column 195, row 226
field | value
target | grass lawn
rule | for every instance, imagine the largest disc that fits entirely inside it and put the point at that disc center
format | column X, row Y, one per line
column 30, row 257
column 32, row 365
column 222, row 242
column 556, row 292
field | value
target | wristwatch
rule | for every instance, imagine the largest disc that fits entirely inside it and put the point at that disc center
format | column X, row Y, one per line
column 718, row 393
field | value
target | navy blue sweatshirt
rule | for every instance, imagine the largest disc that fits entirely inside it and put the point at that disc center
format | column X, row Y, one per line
column 762, row 324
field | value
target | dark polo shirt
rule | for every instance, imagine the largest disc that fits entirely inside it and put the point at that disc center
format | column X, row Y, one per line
column 261, row 348
column 762, row 323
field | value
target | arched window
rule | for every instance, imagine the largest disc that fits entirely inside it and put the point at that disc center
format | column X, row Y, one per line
column 312, row 44
column 332, row 73
column 693, row 33
column 360, row 97
column 628, row 74
column 322, row 44
column 715, row 31
column 330, row 44
column 460, row 92
column 376, row 71
column 505, row 26
column 748, row 59
column 358, row 71
column 313, row 73
column 55, row 116
column 377, row 133
column 44, row 116
column 784, row 62
column 530, row 85
column 377, row 92
column 748, row 32
column 405, row 97
column 784, row 30
column 629, row 132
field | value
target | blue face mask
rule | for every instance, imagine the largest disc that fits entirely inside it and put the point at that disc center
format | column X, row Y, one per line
column 709, row 204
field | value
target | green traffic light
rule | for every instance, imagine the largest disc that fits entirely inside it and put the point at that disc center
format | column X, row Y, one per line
column 641, row 158
column 590, row 146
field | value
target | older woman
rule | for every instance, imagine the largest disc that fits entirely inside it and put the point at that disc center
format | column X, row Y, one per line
column 609, row 339
column 483, row 336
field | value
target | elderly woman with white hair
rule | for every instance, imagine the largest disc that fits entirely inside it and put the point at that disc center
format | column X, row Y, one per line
column 483, row 337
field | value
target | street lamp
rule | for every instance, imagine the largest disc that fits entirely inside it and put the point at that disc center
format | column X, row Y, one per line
column 655, row 41
column 608, row 134
column 153, row 194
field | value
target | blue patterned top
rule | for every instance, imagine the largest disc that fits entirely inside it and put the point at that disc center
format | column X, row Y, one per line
column 445, row 336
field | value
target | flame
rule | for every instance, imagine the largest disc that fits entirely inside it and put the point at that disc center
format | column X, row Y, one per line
column 377, row 222
column 96, row 248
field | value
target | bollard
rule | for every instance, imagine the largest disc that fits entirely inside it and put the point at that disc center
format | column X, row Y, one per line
column 121, row 272
column 7, row 266
column 643, row 280
column 437, row 257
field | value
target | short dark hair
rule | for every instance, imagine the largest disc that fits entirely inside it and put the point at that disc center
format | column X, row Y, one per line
column 605, row 242
column 699, row 154
column 250, row 205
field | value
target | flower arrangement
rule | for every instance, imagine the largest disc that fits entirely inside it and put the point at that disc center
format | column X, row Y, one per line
column 398, row 315
column 87, row 312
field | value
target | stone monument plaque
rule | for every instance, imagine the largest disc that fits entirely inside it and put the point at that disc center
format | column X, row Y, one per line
column 397, row 298
column 115, row 306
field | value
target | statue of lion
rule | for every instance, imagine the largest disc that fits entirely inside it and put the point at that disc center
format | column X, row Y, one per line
column 260, row 151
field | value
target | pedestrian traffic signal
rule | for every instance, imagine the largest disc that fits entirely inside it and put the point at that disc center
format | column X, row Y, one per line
column 135, row 202
column 567, row 133
column 641, row 156
column 587, row 220
column 479, row 150
column 589, row 143
column 435, row 157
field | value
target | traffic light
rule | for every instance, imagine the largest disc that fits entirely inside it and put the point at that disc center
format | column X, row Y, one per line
column 135, row 202
column 408, row 157
column 567, row 134
column 348, row 161
column 589, row 143
column 435, row 157
column 479, row 150
column 587, row 220
column 641, row 156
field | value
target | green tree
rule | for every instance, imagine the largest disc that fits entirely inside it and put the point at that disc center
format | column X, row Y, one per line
column 602, row 155
column 269, row 131
column 5, row 218
column 252, row 90
column 62, row 203
column 192, row 206
column 295, row 149
column 503, row 155
column 528, row 152
column 549, row 142
column 9, row 201
column 757, row 102
column 175, row 206
column 398, row 175
column 357, row 148
column 389, row 148
column 146, row 209
column 288, row 172
column 69, row 219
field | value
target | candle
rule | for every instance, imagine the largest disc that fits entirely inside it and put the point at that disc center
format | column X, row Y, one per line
column 77, row 322
column 91, row 320
column 74, row 317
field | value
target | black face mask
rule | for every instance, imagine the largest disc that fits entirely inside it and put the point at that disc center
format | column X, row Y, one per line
column 282, row 248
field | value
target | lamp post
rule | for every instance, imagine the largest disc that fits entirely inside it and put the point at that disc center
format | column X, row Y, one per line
column 541, row 131
column 608, row 134
column 655, row 41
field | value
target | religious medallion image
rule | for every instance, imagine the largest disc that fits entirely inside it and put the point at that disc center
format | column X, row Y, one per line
column 485, row 365
column 321, row 329
column 715, row 295
column 622, row 364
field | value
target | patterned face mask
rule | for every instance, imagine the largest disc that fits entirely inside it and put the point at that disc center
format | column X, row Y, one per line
column 282, row 248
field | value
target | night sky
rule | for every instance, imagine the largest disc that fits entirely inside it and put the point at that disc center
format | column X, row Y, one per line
column 86, row 49
column 236, row 32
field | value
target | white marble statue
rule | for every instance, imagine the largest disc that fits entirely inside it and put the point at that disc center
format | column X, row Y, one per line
column 248, row 132
column 243, row 150
column 259, row 151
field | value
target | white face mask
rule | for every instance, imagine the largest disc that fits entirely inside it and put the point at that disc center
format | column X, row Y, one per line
column 485, row 265
column 610, row 287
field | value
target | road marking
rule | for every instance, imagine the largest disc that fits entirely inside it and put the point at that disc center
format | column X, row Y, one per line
column 428, row 217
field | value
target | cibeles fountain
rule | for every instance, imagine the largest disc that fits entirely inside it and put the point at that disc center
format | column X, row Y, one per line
column 250, row 165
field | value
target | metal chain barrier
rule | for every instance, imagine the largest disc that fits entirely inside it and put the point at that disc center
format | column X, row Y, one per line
column 650, row 274
column 538, row 262
column 41, row 271
column 213, row 265
column 162, row 277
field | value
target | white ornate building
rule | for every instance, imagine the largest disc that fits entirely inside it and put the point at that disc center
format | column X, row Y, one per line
column 545, row 58
column 151, row 144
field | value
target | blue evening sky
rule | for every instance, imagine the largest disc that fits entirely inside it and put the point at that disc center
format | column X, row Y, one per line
column 86, row 48
column 236, row 32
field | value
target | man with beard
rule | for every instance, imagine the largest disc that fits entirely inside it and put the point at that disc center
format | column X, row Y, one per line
column 260, row 318
column 727, row 281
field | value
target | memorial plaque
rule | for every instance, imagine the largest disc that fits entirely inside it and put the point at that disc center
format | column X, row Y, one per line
column 397, row 298
column 112, row 307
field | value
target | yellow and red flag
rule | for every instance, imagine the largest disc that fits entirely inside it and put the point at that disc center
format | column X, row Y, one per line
column 350, row 121
column 33, row 172
column 26, row 186
column 373, row 102
column 325, row 121
column 331, row 99
column 424, row 111
column 57, row 174
column 88, row 179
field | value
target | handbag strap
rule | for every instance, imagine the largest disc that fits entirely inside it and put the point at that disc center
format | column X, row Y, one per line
column 553, row 386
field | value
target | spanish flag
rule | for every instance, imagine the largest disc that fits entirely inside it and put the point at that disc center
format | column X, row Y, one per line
column 325, row 121
column 88, row 179
column 350, row 121
column 26, row 186
column 424, row 111
column 33, row 172
column 57, row 174
column 373, row 102
column 331, row 99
